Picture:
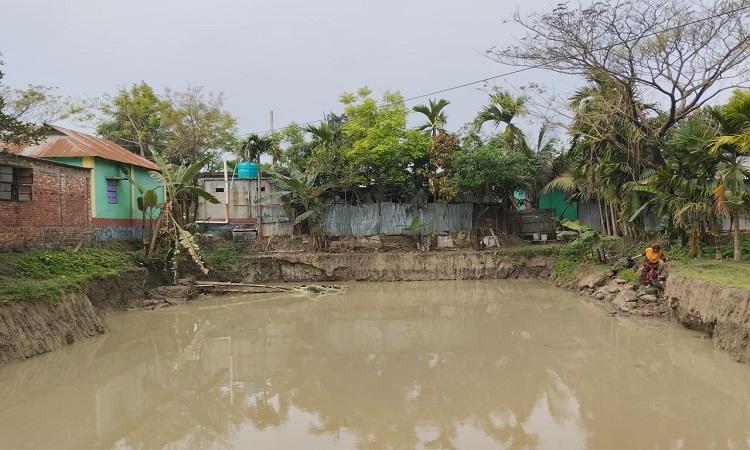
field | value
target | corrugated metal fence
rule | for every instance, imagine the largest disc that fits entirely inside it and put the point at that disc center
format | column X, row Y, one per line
column 274, row 221
column 392, row 218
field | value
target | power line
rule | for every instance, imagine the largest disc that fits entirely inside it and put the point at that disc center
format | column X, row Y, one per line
column 539, row 66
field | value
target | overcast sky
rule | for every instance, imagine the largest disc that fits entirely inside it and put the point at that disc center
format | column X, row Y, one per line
column 294, row 57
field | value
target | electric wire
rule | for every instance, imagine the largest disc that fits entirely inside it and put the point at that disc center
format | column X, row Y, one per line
column 530, row 67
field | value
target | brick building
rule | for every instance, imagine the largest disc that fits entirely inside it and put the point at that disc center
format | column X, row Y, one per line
column 43, row 204
column 115, row 174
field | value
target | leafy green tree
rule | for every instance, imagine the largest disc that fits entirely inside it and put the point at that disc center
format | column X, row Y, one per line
column 607, row 158
column 134, row 119
column 486, row 172
column 490, row 172
column 435, row 115
column 297, row 150
column 328, row 155
column 677, row 53
column 381, row 146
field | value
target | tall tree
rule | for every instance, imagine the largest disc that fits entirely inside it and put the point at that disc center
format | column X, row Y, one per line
column 435, row 115
column 489, row 172
column 134, row 119
column 199, row 128
column 198, row 125
column 439, row 165
column 297, row 149
column 680, row 53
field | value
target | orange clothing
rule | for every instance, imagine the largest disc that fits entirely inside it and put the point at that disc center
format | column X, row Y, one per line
column 653, row 256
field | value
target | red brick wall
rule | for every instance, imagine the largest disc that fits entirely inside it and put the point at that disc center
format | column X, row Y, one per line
column 58, row 214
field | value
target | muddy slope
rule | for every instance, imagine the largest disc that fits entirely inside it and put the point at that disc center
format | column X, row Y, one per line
column 723, row 313
column 32, row 328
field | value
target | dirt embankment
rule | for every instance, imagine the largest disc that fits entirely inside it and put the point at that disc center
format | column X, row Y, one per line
column 723, row 313
column 398, row 267
column 32, row 328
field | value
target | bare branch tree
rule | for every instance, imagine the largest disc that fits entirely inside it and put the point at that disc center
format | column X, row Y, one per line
column 677, row 54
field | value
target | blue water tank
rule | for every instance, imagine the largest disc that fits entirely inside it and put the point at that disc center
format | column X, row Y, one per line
column 247, row 170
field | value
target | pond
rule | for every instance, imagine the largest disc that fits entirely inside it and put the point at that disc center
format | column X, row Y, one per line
column 492, row 364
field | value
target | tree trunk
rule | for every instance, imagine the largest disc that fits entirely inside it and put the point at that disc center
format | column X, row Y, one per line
column 736, row 235
column 613, row 217
column 155, row 233
column 602, row 217
column 716, row 228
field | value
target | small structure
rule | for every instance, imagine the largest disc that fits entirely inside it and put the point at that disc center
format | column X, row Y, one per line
column 43, row 204
column 237, row 191
column 535, row 224
column 115, row 174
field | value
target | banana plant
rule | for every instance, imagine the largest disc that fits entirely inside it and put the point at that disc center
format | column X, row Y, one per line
column 585, row 237
column 300, row 198
column 177, row 184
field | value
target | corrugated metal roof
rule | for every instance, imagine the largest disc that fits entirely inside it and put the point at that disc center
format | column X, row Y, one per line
column 64, row 143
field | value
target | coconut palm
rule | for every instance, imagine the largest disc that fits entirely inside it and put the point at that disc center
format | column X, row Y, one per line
column 436, row 117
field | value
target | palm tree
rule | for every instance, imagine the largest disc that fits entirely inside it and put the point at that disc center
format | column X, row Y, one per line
column 684, row 189
column 436, row 117
column 501, row 110
column 730, row 147
column 254, row 146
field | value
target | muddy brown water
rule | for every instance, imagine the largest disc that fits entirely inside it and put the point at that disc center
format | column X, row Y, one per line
column 414, row 365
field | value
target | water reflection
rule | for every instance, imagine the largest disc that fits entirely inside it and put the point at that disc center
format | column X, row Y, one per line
column 447, row 365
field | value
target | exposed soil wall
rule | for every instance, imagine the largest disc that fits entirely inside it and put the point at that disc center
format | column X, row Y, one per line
column 122, row 291
column 723, row 313
column 32, row 328
column 398, row 267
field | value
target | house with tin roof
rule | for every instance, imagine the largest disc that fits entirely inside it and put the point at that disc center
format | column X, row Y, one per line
column 115, row 174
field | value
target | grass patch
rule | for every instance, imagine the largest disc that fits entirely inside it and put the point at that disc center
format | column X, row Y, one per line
column 630, row 275
column 43, row 274
column 223, row 258
column 565, row 267
column 721, row 273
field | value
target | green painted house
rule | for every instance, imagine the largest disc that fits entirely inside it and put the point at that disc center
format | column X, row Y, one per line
column 115, row 175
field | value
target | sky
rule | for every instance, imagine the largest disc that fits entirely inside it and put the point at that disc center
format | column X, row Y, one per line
column 292, row 57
